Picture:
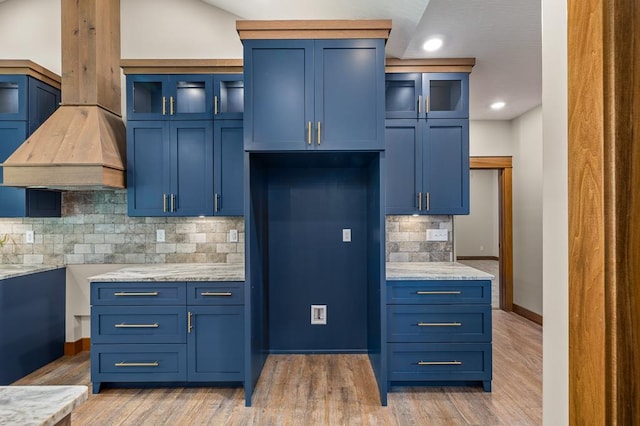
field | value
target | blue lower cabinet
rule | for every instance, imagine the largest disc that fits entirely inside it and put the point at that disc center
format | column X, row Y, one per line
column 32, row 323
column 167, row 332
column 439, row 332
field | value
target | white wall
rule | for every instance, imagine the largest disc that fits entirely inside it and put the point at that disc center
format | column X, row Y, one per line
column 527, row 210
column 477, row 234
column 555, row 230
column 490, row 138
column 30, row 29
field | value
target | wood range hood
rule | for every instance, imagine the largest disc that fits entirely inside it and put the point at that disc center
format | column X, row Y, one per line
column 82, row 146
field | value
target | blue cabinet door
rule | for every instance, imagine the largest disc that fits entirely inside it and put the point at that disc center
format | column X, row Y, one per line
column 404, row 166
column 169, row 97
column 215, row 343
column 403, row 95
column 446, row 95
column 191, row 168
column 445, row 162
column 228, row 96
column 278, row 77
column 12, row 134
column 148, row 168
column 43, row 101
column 229, row 168
column 13, row 97
column 349, row 94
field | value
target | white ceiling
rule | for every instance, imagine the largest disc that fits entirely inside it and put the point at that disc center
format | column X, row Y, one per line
column 503, row 35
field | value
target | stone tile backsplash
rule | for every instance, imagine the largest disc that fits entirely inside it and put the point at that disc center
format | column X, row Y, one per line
column 95, row 229
column 407, row 239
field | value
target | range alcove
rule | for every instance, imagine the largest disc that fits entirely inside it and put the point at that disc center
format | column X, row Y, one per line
column 298, row 256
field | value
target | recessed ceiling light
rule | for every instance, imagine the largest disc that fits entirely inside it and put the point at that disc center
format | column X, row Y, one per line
column 432, row 44
column 498, row 105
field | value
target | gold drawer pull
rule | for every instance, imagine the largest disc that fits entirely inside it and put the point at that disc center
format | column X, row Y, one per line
column 216, row 294
column 125, row 293
column 439, row 324
column 439, row 363
column 137, row 364
column 438, row 292
column 123, row 325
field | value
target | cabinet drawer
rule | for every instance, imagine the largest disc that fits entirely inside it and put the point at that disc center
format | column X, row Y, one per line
column 138, row 363
column 439, row 362
column 131, row 293
column 215, row 293
column 439, row 292
column 138, row 324
column 439, row 323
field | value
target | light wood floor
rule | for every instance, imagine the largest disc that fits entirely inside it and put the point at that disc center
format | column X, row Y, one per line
column 326, row 390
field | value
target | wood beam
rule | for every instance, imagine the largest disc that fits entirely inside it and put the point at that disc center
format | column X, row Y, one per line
column 604, row 204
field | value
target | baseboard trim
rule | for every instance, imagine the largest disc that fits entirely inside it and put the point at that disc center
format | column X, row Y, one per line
column 477, row 258
column 531, row 316
column 74, row 348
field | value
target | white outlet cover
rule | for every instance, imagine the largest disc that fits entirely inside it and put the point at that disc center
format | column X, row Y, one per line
column 160, row 235
column 437, row 235
column 29, row 237
column 346, row 235
column 319, row 314
column 233, row 236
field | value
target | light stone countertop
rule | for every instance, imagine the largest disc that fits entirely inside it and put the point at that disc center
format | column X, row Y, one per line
column 39, row 405
column 12, row 271
column 175, row 272
column 404, row 271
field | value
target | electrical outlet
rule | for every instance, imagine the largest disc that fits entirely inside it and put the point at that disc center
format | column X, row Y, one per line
column 346, row 235
column 29, row 237
column 233, row 236
column 160, row 235
column 319, row 314
column 437, row 235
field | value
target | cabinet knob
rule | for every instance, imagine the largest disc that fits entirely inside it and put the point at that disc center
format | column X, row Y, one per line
column 215, row 105
column 318, row 133
column 309, row 125
column 419, row 201
column 164, row 105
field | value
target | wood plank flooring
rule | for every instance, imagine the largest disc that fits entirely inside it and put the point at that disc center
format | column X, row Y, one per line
column 326, row 390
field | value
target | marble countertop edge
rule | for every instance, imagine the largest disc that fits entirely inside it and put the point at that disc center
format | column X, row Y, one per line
column 39, row 405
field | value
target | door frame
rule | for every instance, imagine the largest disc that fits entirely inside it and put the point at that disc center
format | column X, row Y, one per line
column 503, row 165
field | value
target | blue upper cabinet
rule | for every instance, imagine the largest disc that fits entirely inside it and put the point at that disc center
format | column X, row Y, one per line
column 228, row 96
column 184, row 137
column 169, row 97
column 13, row 97
column 446, row 95
column 427, row 166
column 427, row 95
column 445, row 166
column 170, row 168
column 314, row 94
column 228, row 168
column 25, row 103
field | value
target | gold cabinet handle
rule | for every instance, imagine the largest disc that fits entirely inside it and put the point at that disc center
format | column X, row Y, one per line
column 173, row 203
column 439, row 363
column 123, row 325
column 216, row 201
column 215, row 105
column 419, row 104
column 171, row 104
column 126, row 293
column 309, row 125
column 189, row 325
column 137, row 364
column 164, row 105
column 216, row 294
column 419, row 201
column 427, row 197
column 438, row 292
column 318, row 133
column 439, row 324
column 164, row 203
column 426, row 105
